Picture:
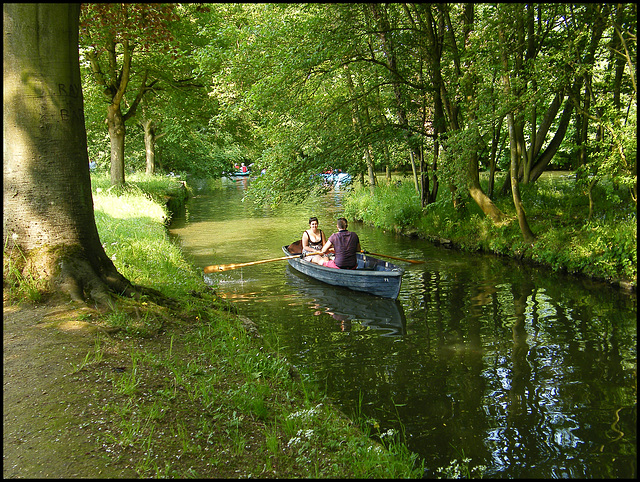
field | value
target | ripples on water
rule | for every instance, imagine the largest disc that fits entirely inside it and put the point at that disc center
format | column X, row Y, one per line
column 527, row 372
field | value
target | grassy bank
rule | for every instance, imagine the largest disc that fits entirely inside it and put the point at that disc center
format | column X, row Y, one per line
column 603, row 247
column 194, row 391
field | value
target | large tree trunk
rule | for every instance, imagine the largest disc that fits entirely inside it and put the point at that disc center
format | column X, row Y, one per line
column 47, row 204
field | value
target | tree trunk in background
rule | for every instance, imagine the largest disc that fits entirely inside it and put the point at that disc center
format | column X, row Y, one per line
column 115, row 121
column 515, row 148
column 378, row 12
column 527, row 234
column 47, row 204
column 149, row 146
column 360, row 120
column 477, row 194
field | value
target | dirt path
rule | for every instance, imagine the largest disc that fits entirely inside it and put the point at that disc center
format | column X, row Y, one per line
column 49, row 412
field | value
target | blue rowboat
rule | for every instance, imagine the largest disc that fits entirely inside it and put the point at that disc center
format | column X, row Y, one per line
column 373, row 276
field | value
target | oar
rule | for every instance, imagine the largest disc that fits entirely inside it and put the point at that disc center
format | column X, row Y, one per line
column 395, row 257
column 226, row 267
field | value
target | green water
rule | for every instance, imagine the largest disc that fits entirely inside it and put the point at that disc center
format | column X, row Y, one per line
column 526, row 372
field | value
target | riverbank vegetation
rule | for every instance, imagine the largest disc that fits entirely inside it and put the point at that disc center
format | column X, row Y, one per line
column 192, row 390
column 602, row 245
column 478, row 102
column 294, row 90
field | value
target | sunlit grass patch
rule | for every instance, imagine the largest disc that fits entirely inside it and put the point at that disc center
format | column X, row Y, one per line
column 392, row 206
column 132, row 232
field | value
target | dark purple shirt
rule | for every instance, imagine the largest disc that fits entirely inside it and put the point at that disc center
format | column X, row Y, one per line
column 345, row 244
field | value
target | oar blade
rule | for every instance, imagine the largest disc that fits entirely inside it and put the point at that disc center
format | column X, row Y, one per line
column 220, row 267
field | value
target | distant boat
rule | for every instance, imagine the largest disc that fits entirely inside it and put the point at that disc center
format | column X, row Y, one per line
column 239, row 174
column 373, row 276
column 336, row 178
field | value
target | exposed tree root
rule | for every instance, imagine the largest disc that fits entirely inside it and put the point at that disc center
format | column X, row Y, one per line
column 97, row 284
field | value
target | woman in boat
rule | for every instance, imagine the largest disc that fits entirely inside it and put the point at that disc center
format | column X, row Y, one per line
column 346, row 245
column 313, row 239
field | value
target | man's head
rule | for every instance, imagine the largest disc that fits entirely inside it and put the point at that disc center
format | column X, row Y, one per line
column 342, row 223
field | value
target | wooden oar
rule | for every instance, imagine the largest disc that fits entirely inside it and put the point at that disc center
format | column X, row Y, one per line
column 395, row 257
column 226, row 267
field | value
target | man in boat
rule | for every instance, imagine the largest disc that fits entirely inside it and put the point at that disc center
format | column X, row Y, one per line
column 346, row 245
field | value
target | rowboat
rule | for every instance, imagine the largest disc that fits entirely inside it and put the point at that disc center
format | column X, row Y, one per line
column 336, row 179
column 373, row 276
column 382, row 316
column 239, row 174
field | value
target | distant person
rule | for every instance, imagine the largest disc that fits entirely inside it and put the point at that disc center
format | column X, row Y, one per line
column 346, row 245
column 243, row 167
column 313, row 239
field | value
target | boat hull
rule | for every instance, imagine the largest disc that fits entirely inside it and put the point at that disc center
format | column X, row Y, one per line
column 240, row 174
column 373, row 276
column 384, row 315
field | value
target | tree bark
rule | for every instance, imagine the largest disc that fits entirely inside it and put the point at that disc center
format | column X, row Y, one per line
column 47, row 204
column 115, row 121
column 478, row 195
column 527, row 234
column 150, row 139
column 483, row 201
column 149, row 146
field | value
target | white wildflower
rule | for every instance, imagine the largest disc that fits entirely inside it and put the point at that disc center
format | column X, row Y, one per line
column 389, row 433
column 293, row 441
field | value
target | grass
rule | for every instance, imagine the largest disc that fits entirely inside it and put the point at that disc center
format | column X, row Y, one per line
column 18, row 284
column 132, row 230
column 190, row 392
column 211, row 401
column 92, row 357
column 603, row 247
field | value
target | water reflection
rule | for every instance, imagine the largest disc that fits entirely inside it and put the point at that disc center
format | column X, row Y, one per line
column 531, row 373
column 381, row 314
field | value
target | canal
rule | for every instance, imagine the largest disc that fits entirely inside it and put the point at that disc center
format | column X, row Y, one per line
column 522, row 371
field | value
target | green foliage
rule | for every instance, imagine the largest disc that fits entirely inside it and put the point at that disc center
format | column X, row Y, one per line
column 299, row 88
column 557, row 210
column 603, row 250
column 390, row 207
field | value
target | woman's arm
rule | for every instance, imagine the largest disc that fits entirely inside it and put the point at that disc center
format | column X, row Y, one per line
column 305, row 242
